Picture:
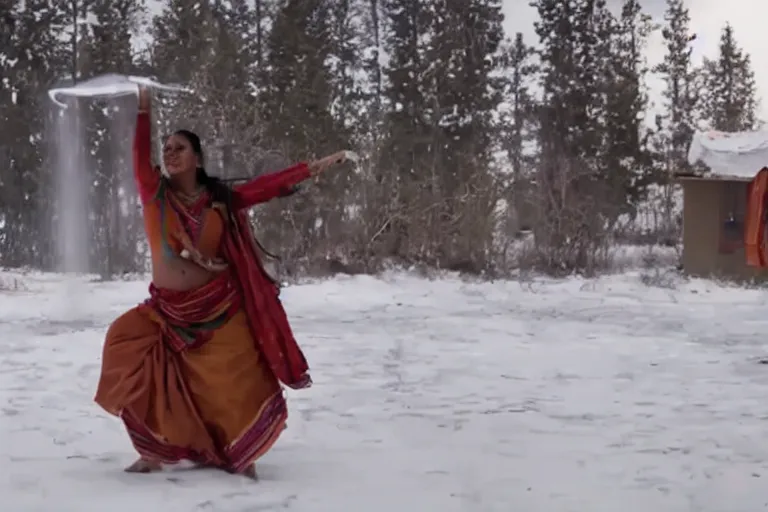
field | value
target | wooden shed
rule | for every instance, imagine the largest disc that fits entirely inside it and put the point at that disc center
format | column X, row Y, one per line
column 715, row 204
column 714, row 211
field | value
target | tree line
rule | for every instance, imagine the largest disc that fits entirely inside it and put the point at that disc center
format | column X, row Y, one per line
column 481, row 151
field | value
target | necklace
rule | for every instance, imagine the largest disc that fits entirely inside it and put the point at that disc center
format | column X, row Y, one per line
column 190, row 198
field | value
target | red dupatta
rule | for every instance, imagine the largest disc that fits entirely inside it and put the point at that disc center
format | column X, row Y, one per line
column 265, row 313
column 266, row 317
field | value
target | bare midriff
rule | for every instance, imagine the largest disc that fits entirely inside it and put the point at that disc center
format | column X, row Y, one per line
column 180, row 274
column 169, row 269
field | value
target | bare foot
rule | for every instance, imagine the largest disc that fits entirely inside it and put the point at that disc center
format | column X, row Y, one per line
column 250, row 472
column 144, row 466
column 205, row 465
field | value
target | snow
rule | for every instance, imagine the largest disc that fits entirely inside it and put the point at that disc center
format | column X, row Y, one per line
column 111, row 85
column 542, row 395
column 733, row 155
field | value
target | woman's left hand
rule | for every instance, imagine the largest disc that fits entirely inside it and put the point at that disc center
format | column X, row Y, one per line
column 324, row 163
column 210, row 264
column 191, row 253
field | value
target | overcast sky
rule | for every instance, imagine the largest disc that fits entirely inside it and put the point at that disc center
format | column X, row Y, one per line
column 707, row 19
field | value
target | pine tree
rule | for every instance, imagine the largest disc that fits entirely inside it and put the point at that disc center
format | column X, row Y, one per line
column 555, row 30
column 573, row 64
column 230, row 82
column 183, row 35
column 465, row 59
column 115, row 224
column 346, row 64
column 184, row 45
column 405, row 169
column 9, row 28
column 626, row 159
column 682, row 87
column 259, row 13
column 518, row 128
column 730, row 97
column 297, row 100
column 371, row 48
column 36, row 55
column 520, row 98
column 575, row 36
column 298, row 121
column 674, row 127
column 8, row 13
column 238, row 31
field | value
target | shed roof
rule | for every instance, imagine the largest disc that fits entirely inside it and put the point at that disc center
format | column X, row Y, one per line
column 689, row 176
column 731, row 156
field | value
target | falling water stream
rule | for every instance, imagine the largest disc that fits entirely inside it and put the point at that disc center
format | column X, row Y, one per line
column 70, row 151
column 71, row 180
column 70, row 197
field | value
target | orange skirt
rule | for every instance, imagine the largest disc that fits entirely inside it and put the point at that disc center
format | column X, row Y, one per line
column 218, row 404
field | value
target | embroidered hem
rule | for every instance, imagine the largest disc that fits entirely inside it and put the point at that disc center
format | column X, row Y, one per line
column 255, row 440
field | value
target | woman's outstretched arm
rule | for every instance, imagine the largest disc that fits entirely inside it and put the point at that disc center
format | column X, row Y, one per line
column 281, row 183
column 269, row 186
column 147, row 178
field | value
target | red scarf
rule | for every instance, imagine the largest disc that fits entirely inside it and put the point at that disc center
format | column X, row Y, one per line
column 266, row 316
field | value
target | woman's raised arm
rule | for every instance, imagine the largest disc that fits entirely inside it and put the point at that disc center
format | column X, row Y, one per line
column 147, row 178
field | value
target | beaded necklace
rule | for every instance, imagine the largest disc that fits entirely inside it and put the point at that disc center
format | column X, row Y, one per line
column 189, row 215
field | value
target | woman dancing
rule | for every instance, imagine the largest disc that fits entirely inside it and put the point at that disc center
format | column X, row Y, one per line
column 195, row 372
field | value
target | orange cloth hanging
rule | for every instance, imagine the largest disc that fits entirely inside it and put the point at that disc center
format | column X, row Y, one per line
column 754, row 223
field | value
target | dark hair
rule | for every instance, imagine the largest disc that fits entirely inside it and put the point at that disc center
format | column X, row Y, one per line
column 220, row 192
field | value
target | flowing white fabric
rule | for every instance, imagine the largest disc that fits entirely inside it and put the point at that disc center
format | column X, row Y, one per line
column 111, row 85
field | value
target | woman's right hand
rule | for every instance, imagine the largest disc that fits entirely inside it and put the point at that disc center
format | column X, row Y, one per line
column 145, row 99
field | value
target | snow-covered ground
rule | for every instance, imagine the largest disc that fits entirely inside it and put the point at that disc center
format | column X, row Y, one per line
column 546, row 396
